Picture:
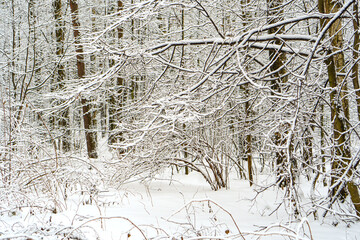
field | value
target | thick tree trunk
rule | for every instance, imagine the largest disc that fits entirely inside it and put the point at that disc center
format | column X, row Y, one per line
column 90, row 136
column 355, row 67
column 339, row 111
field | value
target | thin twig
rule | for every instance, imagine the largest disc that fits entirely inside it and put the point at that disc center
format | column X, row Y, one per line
column 106, row 218
column 219, row 206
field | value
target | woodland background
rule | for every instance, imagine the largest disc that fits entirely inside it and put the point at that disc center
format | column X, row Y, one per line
column 127, row 89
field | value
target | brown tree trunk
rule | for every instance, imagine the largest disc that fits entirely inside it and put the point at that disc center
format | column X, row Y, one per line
column 117, row 98
column 90, row 136
column 278, row 71
column 339, row 110
column 355, row 68
column 248, row 111
column 322, row 142
column 63, row 119
column 308, row 149
column 248, row 152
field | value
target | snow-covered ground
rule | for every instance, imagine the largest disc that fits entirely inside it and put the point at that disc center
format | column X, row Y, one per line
column 183, row 207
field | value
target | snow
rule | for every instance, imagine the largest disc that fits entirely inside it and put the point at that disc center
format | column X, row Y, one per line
column 170, row 208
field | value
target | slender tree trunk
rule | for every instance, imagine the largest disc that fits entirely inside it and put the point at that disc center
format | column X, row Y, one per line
column 117, row 98
column 278, row 59
column 248, row 152
column 322, row 142
column 246, row 16
column 182, row 22
column 63, row 119
column 12, row 85
column 308, row 148
column 90, row 136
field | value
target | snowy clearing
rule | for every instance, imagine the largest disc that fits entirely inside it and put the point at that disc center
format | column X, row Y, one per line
column 183, row 207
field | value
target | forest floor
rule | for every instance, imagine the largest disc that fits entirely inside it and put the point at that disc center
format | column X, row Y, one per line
column 180, row 207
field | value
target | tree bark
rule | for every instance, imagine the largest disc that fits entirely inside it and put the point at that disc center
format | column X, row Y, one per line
column 87, row 118
column 246, row 16
column 117, row 98
column 355, row 67
column 339, row 111
column 278, row 71
column 63, row 119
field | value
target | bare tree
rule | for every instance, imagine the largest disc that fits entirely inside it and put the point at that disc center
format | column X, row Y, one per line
column 86, row 106
column 58, row 84
column 342, row 162
column 117, row 97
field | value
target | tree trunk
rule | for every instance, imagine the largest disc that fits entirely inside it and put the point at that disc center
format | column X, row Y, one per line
column 322, row 142
column 355, row 67
column 63, row 119
column 308, row 147
column 248, row 152
column 278, row 59
column 117, row 98
column 339, row 111
column 90, row 136
column 246, row 16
